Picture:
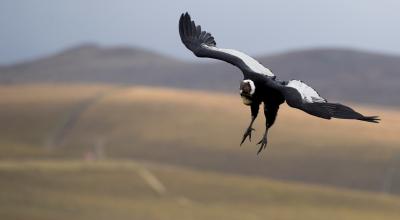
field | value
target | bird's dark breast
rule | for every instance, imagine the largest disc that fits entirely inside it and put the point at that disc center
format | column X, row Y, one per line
column 262, row 92
column 269, row 95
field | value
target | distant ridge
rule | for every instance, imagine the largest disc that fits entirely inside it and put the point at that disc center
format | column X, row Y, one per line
column 339, row 74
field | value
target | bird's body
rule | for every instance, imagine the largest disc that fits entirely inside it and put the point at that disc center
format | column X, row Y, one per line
column 260, row 85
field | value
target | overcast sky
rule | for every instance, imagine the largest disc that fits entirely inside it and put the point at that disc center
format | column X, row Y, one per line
column 38, row 27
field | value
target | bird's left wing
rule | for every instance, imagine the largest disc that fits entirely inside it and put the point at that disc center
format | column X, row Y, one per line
column 202, row 44
column 299, row 95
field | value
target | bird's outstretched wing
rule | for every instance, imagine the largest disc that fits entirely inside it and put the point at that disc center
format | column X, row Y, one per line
column 299, row 95
column 202, row 44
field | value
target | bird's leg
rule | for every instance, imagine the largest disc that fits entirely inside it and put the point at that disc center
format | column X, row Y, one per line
column 254, row 112
column 248, row 131
column 263, row 142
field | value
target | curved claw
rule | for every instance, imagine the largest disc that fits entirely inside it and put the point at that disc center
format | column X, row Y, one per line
column 246, row 134
column 263, row 143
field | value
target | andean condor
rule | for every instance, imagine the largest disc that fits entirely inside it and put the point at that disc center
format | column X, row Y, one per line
column 260, row 84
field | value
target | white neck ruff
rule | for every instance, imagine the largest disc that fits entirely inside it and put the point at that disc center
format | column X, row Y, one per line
column 252, row 86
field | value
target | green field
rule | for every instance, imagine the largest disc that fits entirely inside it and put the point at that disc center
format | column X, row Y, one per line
column 72, row 151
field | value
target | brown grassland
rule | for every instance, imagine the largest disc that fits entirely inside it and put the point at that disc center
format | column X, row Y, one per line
column 188, row 141
column 125, row 190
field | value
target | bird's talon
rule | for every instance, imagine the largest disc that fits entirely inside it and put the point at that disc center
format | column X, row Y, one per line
column 263, row 143
column 246, row 134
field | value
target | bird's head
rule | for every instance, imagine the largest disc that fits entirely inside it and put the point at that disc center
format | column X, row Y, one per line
column 247, row 90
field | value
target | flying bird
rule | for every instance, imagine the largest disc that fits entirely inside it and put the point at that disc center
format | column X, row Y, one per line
column 260, row 85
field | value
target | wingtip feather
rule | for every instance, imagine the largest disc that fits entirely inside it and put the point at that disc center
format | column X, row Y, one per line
column 372, row 119
column 192, row 35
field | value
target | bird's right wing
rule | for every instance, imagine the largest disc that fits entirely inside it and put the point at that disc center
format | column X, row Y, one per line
column 301, row 96
column 202, row 44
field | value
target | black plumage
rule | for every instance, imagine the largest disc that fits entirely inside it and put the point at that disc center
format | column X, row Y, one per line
column 260, row 84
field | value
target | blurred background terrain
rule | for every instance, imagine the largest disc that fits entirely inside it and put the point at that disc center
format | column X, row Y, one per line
column 142, row 130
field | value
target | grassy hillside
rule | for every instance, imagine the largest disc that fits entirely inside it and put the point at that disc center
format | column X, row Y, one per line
column 129, row 190
column 197, row 130
column 32, row 116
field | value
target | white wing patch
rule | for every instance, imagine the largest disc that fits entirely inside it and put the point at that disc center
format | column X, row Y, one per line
column 249, row 61
column 307, row 93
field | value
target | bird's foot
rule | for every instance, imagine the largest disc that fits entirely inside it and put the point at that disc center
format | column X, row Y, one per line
column 246, row 134
column 263, row 143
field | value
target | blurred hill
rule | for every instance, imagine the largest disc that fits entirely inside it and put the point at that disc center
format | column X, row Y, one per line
column 197, row 130
column 339, row 74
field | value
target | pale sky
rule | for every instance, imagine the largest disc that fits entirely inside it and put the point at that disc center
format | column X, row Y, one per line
column 34, row 28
